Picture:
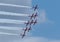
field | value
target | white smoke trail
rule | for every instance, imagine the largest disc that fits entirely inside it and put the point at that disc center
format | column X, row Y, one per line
column 13, row 14
column 7, row 33
column 12, row 5
column 11, row 28
column 12, row 21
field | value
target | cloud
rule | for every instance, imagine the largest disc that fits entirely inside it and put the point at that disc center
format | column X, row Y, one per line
column 54, row 41
column 42, row 18
column 36, row 39
column 31, row 39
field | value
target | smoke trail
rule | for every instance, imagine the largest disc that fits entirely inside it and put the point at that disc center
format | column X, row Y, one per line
column 12, row 21
column 12, row 5
column 10, row 28
column 7, row 33
column 13, row 14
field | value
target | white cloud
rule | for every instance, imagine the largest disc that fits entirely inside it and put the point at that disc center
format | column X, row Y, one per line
column 54, row 41
column 32, row 39
column 42, row 18
column 36, row 39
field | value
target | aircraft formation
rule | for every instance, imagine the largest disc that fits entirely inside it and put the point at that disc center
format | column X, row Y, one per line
column 29, row 23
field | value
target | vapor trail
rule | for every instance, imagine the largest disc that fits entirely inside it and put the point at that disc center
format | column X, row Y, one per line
column 13, row 14
column 12, row 5
column 12, row 21
column 10, row 28
column 7, row 33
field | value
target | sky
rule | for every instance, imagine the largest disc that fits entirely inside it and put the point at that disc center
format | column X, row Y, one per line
column 49, row 30
column 46, row 30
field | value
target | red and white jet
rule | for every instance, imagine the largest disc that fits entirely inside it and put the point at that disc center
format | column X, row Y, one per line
column 31, row 22
column 35, row 22
column 29, row 28
column 31, row 16
column 23, row 35
column 27, row 23
column 25, row 29
column 35, row 15
column 36, row 7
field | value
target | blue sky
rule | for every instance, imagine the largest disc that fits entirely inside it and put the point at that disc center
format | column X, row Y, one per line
column 51, row 31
